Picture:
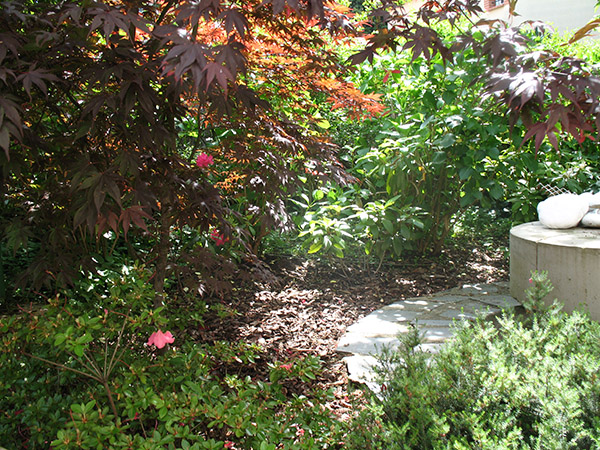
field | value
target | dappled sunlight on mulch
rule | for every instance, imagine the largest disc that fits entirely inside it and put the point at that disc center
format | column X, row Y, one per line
column 315, row 300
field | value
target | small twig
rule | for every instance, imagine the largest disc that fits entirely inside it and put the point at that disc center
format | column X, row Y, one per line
column 92, row 363
column 90, row 368
column 105, row 355
column 111, row 365
column 62, row 366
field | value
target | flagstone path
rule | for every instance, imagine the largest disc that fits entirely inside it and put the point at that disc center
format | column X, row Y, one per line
column 433, row 315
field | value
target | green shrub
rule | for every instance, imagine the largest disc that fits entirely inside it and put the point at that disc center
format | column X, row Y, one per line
column 523, row 383
column 81, row 374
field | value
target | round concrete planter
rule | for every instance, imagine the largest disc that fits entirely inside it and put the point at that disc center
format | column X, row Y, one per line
column 571, row 258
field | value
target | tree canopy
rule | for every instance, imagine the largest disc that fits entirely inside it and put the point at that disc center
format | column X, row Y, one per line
column 96, row 96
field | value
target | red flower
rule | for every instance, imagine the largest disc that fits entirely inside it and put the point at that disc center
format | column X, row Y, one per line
column 229, row 444
column 219, row 238
column 287, row 367
column 161, row 339
column 203, row 160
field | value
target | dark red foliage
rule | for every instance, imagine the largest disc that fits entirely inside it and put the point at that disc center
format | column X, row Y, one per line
column 92, row 96
column 546, row 90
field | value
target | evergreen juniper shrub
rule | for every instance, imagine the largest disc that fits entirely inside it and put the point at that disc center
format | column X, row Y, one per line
column 525, row 382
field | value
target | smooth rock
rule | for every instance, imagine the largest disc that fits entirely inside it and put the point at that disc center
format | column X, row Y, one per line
column 563, row 211
column 591, row 219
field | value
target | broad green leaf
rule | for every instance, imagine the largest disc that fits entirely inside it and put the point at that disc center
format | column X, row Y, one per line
column 439, row 158
column 467, row 199
column 391, row 201
column 89, row 405
column 318, row 194
column 388, row 225
column 405, row 232
column 447, row 141
column 496, row 192
column 323, row 124
column 494, row 153
column 397, row 244
column 162, row 412
column 59, row 339
column 465, row 172
column 315, row 247
column 429, row 99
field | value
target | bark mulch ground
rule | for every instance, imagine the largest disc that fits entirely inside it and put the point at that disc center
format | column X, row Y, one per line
column 315, row 300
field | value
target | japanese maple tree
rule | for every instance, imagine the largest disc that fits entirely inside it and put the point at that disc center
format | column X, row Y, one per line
column 91, row 98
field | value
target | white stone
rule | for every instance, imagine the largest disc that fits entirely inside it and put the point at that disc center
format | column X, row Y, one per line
column 591, row 219
column 380, row 324
column 360, row 368
column 593, row 199
column 562, row 211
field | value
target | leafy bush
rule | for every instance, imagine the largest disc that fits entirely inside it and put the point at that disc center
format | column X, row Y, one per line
column 79, row 373
column 523, row 383
column 437, row 150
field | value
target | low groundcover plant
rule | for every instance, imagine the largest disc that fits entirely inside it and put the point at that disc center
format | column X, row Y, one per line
column 98, row 376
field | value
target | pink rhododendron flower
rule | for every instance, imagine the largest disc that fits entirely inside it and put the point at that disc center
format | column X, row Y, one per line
column 161, row 339
column 203, row 160
column 219, row 238
column 287, row 367
column 229, row 444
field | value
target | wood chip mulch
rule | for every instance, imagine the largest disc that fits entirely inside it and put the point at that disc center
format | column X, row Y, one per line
column 315, row 300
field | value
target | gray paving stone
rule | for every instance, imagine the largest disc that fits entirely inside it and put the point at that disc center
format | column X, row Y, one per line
column 360, row 367
column 478, row 289
column 366, row 345
column 379, row 325
column 457, row 314
column 472, row 306
column 501, row 301
column 436, row 323
column 434, row 316
column 436, row 334
column 396, row 314
column 448, row 298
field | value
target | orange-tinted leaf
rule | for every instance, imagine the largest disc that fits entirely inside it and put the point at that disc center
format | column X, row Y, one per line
column 585, row 30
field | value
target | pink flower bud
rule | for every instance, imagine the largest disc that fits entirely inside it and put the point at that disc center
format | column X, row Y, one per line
column 203, row 160
column 287, row 367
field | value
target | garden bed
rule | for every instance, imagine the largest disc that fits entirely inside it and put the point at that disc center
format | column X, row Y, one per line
column 315, row 300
